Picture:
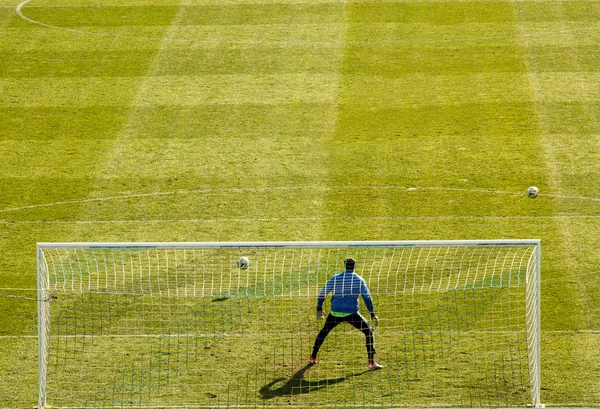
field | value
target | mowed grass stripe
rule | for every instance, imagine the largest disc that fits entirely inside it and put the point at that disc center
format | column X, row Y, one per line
column 59, row 124
column 214, row 22
column 74, row 64
column 214, row 161
column 578, row 10
column 434, row 13
column 239, row 89
column 381, row 60
column 260, row 35
column 558, row 391
column 183, row 61
column 409, row 90
column 560, row 34
column 227, row 15
column 292, row 89
column 172, row 90
column 18, row 368
column 67, row 92
column 5, row 14
column 577, row 86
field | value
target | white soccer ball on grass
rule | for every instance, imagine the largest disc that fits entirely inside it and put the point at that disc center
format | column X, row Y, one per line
column 532, row 192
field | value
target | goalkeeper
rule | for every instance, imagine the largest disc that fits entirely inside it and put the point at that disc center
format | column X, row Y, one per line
column 345, row 288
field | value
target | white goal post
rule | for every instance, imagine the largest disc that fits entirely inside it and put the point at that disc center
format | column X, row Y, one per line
column 148, row 325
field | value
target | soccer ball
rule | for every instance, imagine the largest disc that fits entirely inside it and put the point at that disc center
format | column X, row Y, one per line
column 532, row 192
column 243, row 263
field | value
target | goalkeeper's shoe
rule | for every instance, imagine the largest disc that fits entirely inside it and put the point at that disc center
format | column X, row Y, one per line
column 312, row 361
column 374, row 365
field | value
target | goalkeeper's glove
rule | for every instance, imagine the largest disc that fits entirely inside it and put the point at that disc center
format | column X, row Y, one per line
column 320, row 314
column 375, row 319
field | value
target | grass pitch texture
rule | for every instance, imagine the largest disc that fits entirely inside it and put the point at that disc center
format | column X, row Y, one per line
column 201, row 120
column 163, row 327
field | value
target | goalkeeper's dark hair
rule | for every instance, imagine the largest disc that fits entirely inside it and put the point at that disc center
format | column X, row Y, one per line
column 349, row 263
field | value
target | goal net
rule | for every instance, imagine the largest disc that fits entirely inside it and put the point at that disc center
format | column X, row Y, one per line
column 153, row 325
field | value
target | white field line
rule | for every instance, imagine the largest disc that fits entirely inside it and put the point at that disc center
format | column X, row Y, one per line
column 292, row 406
column 20, row 297
column 254, row 405
column 18, row 289
column 287, row 188
column 277, row 333
column 292, row 219
column 19, row 11
column 237, row 3
column 194, row 406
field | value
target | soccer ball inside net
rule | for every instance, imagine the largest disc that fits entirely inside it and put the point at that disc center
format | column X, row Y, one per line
column 532, row 192
column 243, row 263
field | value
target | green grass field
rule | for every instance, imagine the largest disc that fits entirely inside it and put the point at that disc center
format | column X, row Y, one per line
column 207, row 120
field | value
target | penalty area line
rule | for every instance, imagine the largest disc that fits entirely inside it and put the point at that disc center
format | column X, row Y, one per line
column 284, row 188
column 550, row 332
column 293, row 219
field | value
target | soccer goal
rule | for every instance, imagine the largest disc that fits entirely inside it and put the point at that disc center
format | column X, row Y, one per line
column 156, row 325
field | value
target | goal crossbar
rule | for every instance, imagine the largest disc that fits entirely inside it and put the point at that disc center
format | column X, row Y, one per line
column 290, row 244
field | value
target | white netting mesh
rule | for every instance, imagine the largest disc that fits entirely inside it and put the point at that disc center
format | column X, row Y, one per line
column 170, row 326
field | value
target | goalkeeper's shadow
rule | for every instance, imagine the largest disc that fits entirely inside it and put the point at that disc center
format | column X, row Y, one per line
column 297, row 385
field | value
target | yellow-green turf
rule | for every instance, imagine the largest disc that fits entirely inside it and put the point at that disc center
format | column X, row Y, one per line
column 202, row 120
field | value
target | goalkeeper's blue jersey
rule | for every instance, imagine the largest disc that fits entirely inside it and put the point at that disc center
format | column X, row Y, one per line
column 345, row 288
